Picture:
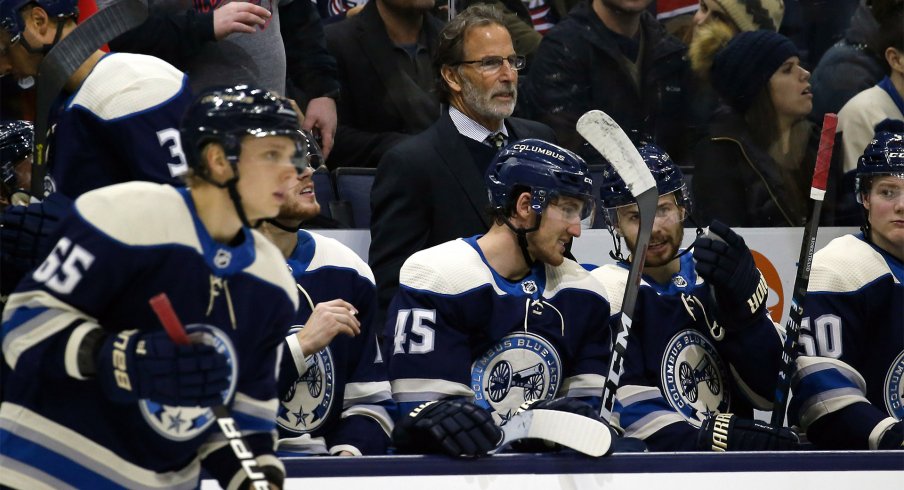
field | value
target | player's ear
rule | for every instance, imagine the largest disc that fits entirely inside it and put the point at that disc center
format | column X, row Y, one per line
column 522, row 206
column 37, row 20
column 217, row 165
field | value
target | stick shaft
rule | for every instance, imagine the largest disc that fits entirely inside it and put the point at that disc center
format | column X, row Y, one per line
column 804, row 263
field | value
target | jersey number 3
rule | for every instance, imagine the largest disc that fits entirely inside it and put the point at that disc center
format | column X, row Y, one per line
column 425, row 334
column 62, row 270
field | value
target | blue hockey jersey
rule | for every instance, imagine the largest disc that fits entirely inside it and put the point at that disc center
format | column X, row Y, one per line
column 456, row 328
column 121, row 124
column 848, row 386
column 123, row 245
column 337, row 399
column 677, row 372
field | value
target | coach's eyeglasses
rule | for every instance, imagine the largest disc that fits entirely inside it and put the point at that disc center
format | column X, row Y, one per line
column 490, row 64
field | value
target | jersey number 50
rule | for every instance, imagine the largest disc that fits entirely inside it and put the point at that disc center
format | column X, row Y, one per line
column 62, row 269
column 823, row 338
column 424, row 333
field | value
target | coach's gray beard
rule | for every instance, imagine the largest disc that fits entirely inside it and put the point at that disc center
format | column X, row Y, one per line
column 483, row 104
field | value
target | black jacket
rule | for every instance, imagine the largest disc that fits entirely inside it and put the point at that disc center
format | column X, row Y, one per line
column 380, row 104
column 738, row 183
column 578, row 68
column 428, row 190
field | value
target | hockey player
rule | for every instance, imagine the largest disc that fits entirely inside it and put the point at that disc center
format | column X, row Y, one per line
column 481, row 325
column 98, row 395
column 702, row 351
column 334, row 396
column 117, row 118
column 16, row 141
column 849, row 384
column 24, row 228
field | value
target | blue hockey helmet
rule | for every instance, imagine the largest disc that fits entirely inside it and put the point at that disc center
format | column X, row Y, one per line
column 614, row 192
column 228, row 114
column 548, row 170
column 11, row 19
column 16, row 141
column 883, row 156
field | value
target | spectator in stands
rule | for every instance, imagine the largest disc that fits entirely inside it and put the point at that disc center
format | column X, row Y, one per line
column 885, row 100
column 740, row 15
column 613, row 55
column 228, row 43
column 429, row 189
column 733, row 14
column 755, row 168
column 384, row 55
column 529, row 21
column 856, row 56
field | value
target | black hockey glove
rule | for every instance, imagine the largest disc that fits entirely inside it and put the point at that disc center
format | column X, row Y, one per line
column 26, row 231
column 452, row 427
column 726, row 263
column 134, row 365
column 893, row 437
column 725, row 432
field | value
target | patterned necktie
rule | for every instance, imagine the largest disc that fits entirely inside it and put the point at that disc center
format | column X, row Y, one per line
column 496, row 140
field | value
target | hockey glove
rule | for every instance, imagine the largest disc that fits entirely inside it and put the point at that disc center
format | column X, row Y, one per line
column 726, row 263
column 725, row 432
column 893, row 437
column 452, row 427
column 26, row 231
column 134, row 365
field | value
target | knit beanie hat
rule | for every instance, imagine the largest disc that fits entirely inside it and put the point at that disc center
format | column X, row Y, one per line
column 741, row 69
column 751, row 15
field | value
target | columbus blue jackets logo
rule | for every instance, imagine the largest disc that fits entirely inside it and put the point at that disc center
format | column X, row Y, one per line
column 307, row 403
column 894, row 388
column 694, row 377
column 182, row 423
column 520, row 367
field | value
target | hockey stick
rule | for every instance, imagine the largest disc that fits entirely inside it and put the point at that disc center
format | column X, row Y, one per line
column 605, row 135
column 176, row 331
column 583, row 434
column 805, row 260
column 65, row 58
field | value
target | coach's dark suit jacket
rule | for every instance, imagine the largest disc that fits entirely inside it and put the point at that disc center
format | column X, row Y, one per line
column 380, row 104
column 428, row 191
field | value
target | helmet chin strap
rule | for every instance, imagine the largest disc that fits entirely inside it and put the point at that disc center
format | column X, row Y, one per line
column 288, row 229
column 616, row 254
column 43, row 50
column 234, row 196
column 521, row 233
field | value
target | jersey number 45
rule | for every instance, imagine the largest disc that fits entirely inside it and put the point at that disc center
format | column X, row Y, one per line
column 419, row 337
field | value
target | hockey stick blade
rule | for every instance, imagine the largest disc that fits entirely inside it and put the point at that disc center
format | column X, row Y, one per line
column 176, row 331
column 582, row 434
column 65, row 58
column 607, row 137
column 804, row 263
